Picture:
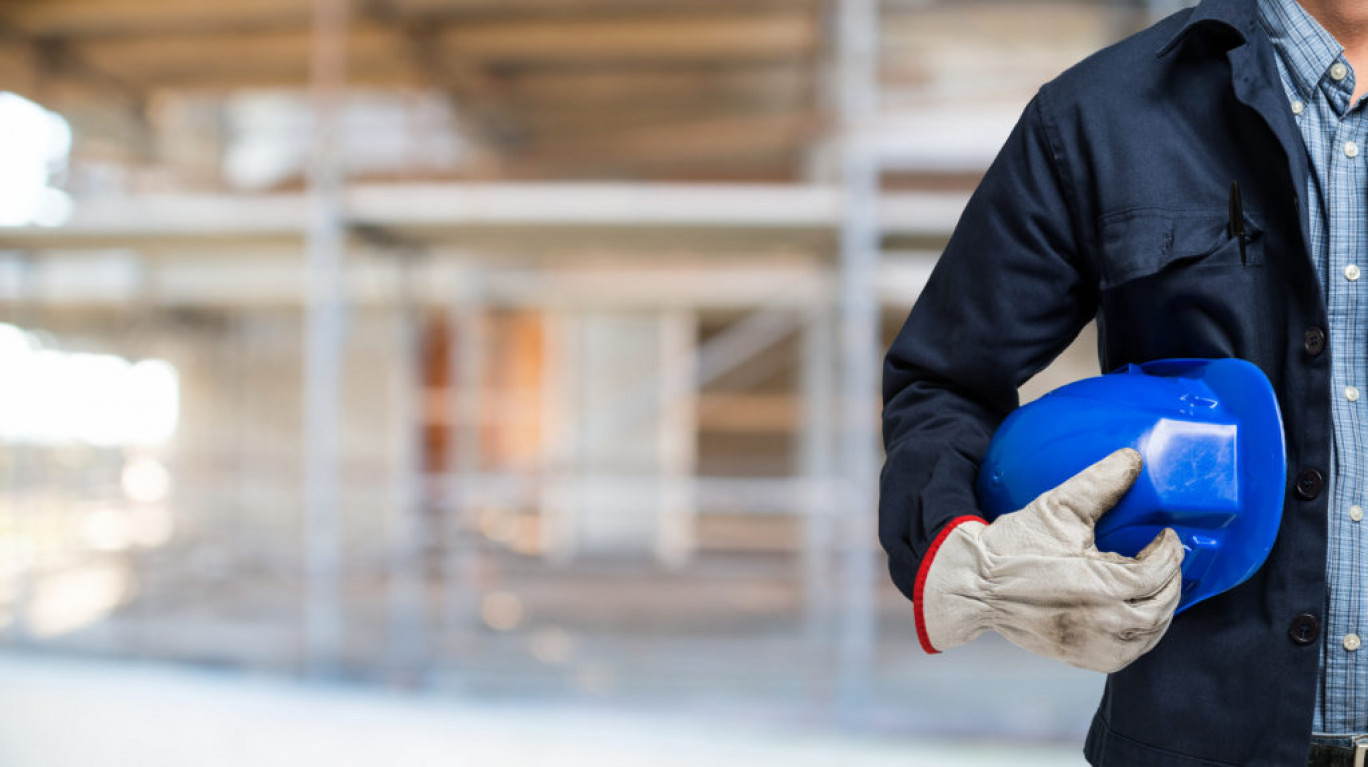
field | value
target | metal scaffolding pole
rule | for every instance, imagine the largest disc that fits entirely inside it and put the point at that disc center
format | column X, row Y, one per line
column 461, row 558
column 817, row 459
column 857, row 51
column 18, row 547
column 677, row 445
column 325, row 243
column 408, row 624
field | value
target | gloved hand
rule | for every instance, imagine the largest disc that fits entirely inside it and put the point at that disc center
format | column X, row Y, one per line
column 1036, row 578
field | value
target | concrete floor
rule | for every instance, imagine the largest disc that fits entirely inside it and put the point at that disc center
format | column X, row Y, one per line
column 61, row 712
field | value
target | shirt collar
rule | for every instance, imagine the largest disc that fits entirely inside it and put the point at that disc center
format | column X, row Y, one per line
column 1306, row 49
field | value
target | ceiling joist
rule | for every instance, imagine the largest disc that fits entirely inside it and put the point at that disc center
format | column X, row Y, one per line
column 633, row 87
column 114, row 18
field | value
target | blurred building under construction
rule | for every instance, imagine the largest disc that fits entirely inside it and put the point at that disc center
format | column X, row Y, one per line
column 495, row 346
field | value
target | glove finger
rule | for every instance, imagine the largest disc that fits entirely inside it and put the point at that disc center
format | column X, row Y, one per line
column 1147, row 573
column 1152, row 618
column 1166, row 537
column 1139, row 628
column 1077, row 503
column 1061, row 583
column 1157, row 565
column 1097, row 640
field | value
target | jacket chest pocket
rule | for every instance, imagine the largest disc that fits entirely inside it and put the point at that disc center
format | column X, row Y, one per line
column 1175, row 284
column 1141, row 243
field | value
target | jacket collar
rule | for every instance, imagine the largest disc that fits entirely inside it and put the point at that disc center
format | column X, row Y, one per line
column 1235, row 25
column 1233, row 19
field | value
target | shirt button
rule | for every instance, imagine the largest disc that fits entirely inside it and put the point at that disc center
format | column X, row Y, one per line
column 1351, row 272
column 1351, row 642
column 1309, row 485
column 1297, row 107
column 1351, row 393
column 1338, row 71
column 1356, row 513
column 1304, row 629
column 1350, row 149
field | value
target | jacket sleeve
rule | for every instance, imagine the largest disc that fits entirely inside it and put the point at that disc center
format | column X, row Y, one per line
column 1005, row 298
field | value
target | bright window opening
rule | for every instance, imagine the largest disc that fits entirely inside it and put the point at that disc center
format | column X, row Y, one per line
column 52, row 397
column 34, row 146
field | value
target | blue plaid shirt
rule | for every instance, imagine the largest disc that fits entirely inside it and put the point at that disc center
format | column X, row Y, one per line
column 1320, row 84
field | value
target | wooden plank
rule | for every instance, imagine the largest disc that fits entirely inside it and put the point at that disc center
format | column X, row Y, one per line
column 679, row 143
column 19, row 69
column 105, row 18
column 748, row 37
column 175, row 59
column 740, row 413
column 550, row 87
column 466, row 8
column 377, row 51
column 550, row 127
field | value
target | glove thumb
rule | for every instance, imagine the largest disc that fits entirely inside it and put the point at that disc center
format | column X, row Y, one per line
column 1089, row 494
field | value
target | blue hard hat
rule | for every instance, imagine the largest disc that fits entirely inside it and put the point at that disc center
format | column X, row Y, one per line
column 1215, row 470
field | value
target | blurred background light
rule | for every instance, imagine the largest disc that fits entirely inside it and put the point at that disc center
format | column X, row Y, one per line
column 107, row 529
column 76, row 597
column 34, row 147
column 146, row 480
column 502, row 611
column 553, row 645
column 53, row 397
column 153, row 525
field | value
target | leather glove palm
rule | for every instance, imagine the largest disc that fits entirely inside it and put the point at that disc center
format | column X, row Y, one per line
column 1036, row 577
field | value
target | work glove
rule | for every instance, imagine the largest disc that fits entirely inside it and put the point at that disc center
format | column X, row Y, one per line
column 1036, row 577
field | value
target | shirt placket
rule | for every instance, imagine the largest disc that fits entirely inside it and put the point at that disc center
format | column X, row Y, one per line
column 1319, row 84
column 1344, row 208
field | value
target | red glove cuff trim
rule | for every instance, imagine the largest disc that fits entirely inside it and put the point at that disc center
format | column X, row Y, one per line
column 921, row 579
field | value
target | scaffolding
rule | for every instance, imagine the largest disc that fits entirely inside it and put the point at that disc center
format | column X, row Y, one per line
column 644, row 324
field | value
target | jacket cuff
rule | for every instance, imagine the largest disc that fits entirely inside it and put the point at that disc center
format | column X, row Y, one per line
column 925, row 568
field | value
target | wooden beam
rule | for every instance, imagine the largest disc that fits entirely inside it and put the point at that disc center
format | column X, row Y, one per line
column 737, row 37
column 677, row 144
column 29, row 64
column 565, row 123
column 174, row 59
column 377, row 50
column 467, row 86
column 20, row 68
column 549, row 87
column 738, row 413
column 105, row 18
column 468, row 8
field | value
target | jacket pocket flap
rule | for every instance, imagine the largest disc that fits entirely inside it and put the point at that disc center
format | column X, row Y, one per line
column 1137, row 243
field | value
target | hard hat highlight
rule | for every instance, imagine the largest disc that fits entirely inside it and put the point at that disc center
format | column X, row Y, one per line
column 1211, row 436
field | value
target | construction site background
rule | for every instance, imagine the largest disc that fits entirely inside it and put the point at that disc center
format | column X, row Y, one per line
column 483, row 358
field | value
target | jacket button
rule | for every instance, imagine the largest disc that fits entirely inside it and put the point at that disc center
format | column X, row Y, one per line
column 1314, row 341
column 1309, row 484
column 1305, row 628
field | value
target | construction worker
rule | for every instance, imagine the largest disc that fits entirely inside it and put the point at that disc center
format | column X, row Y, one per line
column 1200, row 191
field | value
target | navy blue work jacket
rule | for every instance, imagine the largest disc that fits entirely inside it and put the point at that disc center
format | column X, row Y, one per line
column 1110, row 200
